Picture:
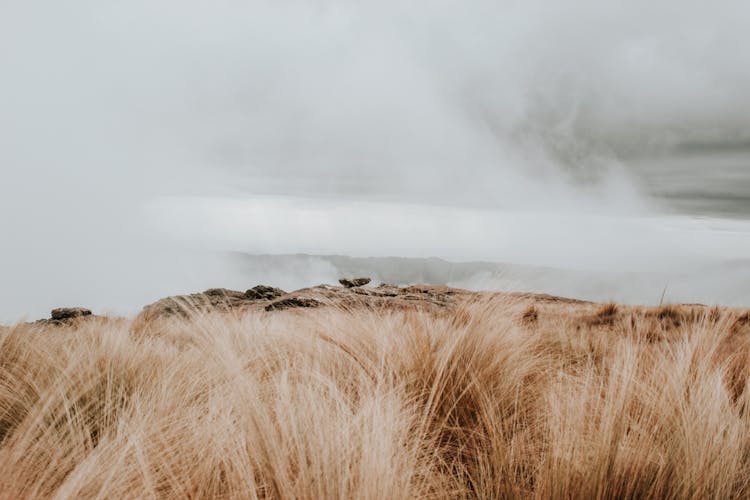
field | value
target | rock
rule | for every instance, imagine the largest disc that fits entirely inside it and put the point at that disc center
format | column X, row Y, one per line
column 354, row 282
column 224, row 292
column 263, row 292
column 213, row 299
column 291, row 302
column 352, row 295
column 69, row 312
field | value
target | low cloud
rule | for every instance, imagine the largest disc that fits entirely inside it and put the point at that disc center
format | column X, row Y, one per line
column 108, row 107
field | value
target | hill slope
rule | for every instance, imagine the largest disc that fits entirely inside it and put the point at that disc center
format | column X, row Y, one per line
column 377, row 392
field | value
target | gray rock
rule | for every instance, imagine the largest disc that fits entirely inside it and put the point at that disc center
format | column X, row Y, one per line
column 354, row 282
column 224, row 292
column 263, row 292
column 292, row 302
column 69, row 312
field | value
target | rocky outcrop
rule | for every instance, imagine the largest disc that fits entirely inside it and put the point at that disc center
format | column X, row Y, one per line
column 69, row 312
column 63, row 316
column 291, row 302
column 531, row 310
column 263, row 292
column 267, row 298
column 354, row 282
column 213, row 299
column 223, row 293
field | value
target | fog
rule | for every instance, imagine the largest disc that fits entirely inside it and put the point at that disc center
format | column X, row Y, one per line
column 139, row 140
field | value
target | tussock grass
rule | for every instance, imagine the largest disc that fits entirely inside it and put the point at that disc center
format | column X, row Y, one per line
column 530, row 314
column 607, row 310
column 480, row 403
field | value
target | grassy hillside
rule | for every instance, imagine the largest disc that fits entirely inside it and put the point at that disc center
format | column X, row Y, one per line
column 511, row 397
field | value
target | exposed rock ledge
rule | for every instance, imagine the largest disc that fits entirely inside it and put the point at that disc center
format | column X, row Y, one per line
column 530, row 310
column 66, row 316
column 273, row 299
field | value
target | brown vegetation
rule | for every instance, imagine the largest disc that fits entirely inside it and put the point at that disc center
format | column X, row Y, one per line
column 494, row 396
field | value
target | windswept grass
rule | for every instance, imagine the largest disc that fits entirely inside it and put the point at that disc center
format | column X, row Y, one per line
column 494, row 400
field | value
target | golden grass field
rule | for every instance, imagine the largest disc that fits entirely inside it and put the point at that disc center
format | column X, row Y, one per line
column 496, row 398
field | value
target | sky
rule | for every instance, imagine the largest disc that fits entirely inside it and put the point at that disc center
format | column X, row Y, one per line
column 139, row 139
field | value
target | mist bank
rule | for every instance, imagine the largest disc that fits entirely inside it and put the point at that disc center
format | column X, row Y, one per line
column 585, row 239
column 707, row 284
column 601, row 257
column 295, row 271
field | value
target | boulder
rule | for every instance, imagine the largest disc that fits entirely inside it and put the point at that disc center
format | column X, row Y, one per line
column 292, row 302
column 69, row 312
column 354, row 282
column 263, row 292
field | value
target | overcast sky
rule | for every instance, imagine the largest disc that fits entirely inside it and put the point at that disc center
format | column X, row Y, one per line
column 118, row 120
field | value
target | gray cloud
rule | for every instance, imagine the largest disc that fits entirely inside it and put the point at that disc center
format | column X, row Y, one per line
column 106, row 106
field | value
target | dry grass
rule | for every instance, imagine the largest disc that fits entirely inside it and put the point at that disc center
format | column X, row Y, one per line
column 496, row 400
